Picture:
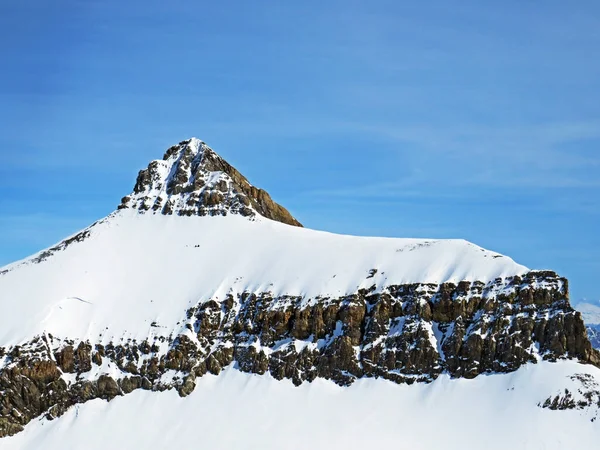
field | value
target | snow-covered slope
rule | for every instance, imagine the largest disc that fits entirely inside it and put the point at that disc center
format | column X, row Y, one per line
column 242, row 411
column 133, row 270
column 199, row 272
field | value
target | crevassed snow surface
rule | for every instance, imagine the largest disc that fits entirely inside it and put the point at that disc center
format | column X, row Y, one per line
column 135, row 270
column 242, row 411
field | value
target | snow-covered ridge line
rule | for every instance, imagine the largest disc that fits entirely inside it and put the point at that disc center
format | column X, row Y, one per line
column 153, row 267
column 46, row 253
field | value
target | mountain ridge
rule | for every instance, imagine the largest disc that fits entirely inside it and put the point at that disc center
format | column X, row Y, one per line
column 198, row 272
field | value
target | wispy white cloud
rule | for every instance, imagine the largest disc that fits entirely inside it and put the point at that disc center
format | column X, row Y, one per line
column 548, row 155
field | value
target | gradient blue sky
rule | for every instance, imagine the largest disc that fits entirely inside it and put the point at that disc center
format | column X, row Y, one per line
column 470, row 119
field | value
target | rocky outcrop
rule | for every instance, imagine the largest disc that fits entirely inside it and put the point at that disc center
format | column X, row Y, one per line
column 192, row 180
column 584, row 396
column 403, row 333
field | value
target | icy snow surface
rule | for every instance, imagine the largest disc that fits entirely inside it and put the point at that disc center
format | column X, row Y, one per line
column 136, row 270
column 242, row 411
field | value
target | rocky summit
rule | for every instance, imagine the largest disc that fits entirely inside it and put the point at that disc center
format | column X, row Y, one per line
column 199, row 272
column 192, row 179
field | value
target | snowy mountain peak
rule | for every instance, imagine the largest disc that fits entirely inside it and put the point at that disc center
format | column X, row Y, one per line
column 193, row 180
column 146, row 300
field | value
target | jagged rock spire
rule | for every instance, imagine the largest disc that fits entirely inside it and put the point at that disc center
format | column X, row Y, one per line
column 192, row 180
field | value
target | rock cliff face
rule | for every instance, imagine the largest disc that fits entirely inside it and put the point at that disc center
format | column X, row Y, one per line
column 192, row 179
column 405, row 333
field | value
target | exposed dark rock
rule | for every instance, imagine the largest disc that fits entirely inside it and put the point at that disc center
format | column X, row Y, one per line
column 130, row 384
column 406, row 334
column 107, row 387
column 74, row 360
column 192, row 180
column 585, row 396
column 187, row 387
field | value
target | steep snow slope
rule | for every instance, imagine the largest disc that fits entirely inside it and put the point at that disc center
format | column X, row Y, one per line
column 241, row 411
column 134, row 274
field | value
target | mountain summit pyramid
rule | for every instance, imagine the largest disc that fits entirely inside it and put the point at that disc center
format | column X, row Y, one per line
column 200, row 285
column 192, row 179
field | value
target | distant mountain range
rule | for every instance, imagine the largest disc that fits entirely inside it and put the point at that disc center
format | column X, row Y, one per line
column 590, row 311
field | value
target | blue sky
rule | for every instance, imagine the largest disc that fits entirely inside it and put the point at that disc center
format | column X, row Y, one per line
column 469, row 119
